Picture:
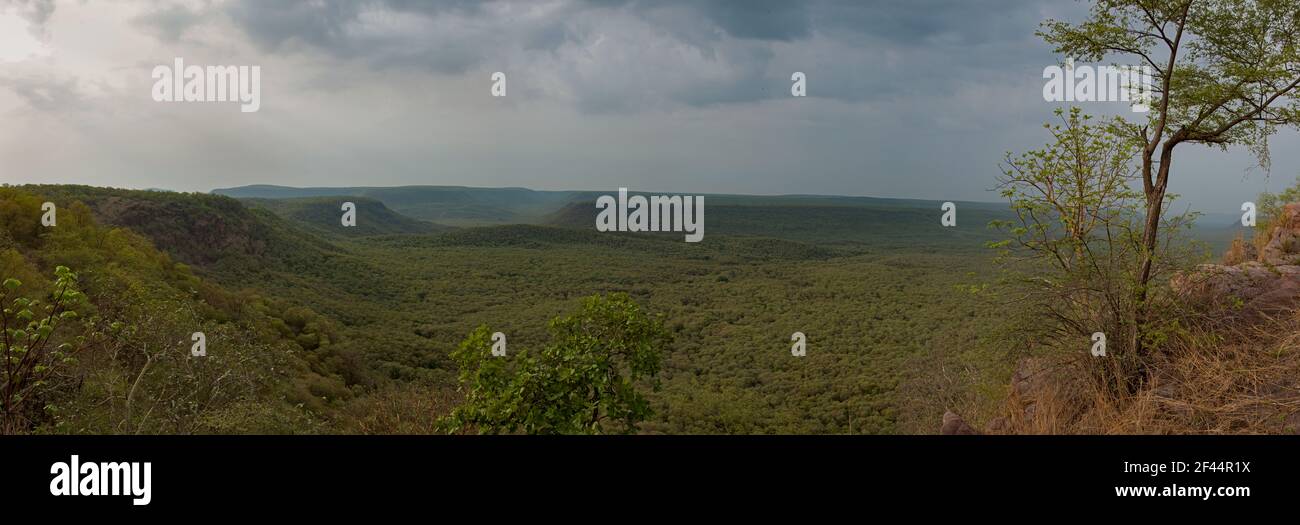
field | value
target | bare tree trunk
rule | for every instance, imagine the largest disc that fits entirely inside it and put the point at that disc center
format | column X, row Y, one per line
column 1155, row 195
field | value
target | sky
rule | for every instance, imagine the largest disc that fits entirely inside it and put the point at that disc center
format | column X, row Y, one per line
column 905, row 98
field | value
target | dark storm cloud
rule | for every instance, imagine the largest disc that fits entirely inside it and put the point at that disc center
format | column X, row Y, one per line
column 851, row 50
column 45, row 93
column 324, row 23
column 548, row 37
column 35, row 11
column 905, row 97
column 757, row 19
column 918, row 22
column 168, row 23
column 273, row 23
column 336, row 27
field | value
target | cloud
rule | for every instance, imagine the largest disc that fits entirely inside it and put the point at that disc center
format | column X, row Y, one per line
column 769, row 20
column 46, row 92
column 628, row 56
column 906, row 98
column 639, row 55
column 37, row 12
column 169, row 22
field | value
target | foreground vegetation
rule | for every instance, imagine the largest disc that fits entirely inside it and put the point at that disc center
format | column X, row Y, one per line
column 1090, row 254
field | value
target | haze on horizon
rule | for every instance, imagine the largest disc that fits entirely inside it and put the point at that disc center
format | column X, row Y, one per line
column 905, row 99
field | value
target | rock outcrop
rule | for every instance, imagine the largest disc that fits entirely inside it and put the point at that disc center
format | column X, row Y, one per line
column 1257, row 284
column 954, row 425
column 1249, row 285
column 1283, row 247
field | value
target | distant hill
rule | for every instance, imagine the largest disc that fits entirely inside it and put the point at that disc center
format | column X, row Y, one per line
column 324, row 214
column 880, row 223
column 219, row 236
column 197, row 229
column 449, row 205
column 803, row 218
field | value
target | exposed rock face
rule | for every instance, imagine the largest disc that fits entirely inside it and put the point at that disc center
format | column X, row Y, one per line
column 1255, row 286
column 1263, row 283
column 1283, row 247
column 953, row 424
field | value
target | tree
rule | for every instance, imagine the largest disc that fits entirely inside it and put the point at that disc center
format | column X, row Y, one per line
column 587, row 380
column 1076, row 245
column 1225, row 74
column 26, row 344
column 1269, row 206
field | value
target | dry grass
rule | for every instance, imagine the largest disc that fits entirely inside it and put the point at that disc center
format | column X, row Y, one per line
column 1215, row 379
column 1241, row 251
column 412, row 408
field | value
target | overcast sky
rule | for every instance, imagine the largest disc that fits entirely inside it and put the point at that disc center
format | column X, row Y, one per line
column 906, row 98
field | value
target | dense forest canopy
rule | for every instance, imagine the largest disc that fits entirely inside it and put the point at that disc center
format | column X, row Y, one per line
column 362, row 325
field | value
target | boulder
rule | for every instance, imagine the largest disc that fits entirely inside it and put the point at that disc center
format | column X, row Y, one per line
column 1250, row 282
column 954, row 425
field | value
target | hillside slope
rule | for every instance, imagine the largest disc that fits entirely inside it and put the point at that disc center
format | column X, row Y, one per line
column 216, row 233
column 450, row 205
column 134, row 372
column 323, row 214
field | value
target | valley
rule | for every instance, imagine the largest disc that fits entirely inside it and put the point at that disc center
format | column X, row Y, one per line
column 881, row 290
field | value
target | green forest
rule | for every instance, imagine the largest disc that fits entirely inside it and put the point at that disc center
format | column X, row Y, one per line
column 314, row 327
